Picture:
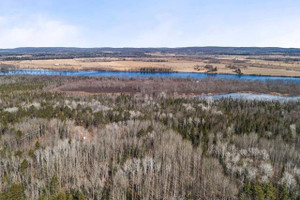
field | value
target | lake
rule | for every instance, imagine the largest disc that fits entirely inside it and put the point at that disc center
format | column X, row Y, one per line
column 143, row 74
column 251, row 97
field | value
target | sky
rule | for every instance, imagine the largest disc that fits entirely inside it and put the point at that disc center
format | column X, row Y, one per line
column 149, row 23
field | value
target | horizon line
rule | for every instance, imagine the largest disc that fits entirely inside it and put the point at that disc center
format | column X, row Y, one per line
column 278, row 47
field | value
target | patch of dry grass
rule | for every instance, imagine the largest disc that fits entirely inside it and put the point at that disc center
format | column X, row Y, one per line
column 178, row 63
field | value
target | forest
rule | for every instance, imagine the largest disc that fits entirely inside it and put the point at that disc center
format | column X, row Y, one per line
column 75, row 138
column 32, row 53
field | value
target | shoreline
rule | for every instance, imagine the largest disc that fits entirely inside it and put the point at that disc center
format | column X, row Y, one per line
column 275, row 94
column 139, row 71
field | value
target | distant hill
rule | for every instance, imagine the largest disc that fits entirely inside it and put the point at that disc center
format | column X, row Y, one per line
column 91, row 52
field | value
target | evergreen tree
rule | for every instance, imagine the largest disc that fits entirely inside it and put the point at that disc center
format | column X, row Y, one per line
column 54, row 185
column 15, row 192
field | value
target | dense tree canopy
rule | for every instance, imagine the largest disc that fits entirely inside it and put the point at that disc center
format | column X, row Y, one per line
column 144, row 146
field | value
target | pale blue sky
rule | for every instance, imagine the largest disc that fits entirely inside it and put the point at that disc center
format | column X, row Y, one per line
column 149, row 23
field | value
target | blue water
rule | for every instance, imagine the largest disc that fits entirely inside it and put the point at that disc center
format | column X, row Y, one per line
column 252, row 97
column 143, row 74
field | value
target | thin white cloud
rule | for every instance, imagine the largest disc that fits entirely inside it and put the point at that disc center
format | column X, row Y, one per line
column 164, row 29
column 37, row 31
column 157, row 35
column 1, row 20
column 281, row 33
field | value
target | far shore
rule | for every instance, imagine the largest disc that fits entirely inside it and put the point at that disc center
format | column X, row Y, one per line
column 216, row 65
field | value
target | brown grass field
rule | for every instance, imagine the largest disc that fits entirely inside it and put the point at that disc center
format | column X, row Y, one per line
column 257, row 65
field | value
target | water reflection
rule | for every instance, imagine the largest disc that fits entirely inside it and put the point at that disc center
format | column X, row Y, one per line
column 143, row 74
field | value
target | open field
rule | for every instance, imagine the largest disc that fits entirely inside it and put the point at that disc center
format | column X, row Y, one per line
column 154, row 85
column 256, row 63
column 223, row 64
column 171, row 86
